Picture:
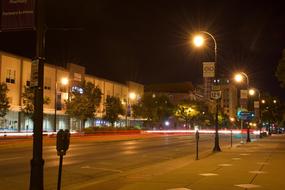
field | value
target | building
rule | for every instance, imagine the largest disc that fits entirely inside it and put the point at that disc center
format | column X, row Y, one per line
column 15, row 71
column 176, row 92
column 229, row 100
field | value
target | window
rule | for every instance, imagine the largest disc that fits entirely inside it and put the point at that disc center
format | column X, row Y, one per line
column 11, row 76
column 47, row 83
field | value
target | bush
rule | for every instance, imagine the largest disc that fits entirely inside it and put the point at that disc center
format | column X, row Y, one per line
column 110, row 130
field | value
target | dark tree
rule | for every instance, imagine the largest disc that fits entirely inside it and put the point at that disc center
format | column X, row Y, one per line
column 280, row 71
column 114, row 108
column 28, row 101
column 4, row 102
column 83, row 102
column 153, row 108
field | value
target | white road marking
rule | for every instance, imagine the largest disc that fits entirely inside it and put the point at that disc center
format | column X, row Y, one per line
column 244, row 154
column 257, row 172
column 248, row 186
column 262, row 163
column 225, row 165
column 182, row 188
column 235, row 158
column 208, row 174
column 12, row 158
column 105, row 169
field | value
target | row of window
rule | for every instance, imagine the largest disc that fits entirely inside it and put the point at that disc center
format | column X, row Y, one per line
column 11, row 78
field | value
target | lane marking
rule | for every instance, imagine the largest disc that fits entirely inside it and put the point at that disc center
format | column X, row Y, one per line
column 257, row 172
column 235, row 158
column 262, row 163
column 208, row 174
column 182, row 188
column 248, row 186
column 225, row 165
column 244, row 154
column 104, row 169
column 13, row 158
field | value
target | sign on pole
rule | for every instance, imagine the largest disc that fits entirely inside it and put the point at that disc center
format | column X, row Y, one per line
column 216, row 94
column 17, row 15
column 256, row 104
column 208, row 69
column 243, row 94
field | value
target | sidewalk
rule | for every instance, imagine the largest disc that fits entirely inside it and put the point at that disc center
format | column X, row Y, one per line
column 256, row 165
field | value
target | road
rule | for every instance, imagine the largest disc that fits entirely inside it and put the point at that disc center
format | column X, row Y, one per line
column 101, row 162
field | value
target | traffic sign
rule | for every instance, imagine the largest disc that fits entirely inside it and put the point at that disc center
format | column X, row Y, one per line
column 216, row 94
column 208, row 69
column 245, row 115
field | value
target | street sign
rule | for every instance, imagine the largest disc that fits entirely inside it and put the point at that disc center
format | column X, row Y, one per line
column 208, row 69
column 35, row 73
column 243, row 94
column 256, row 104
column 17, row 15
column 216, row 87
column 245, row 115
column 216, row 94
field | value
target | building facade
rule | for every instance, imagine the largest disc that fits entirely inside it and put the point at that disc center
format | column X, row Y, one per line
column 15, row 71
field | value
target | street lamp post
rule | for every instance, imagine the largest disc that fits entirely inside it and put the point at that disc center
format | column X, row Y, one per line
column 131, row 96
column 252, row 93
column 64, row 81
column 239, row 78
column 198, row 41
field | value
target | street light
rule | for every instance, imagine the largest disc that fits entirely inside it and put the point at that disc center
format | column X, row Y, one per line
column 252, row 92
column 64, row 81
column 198, row 41
column 132, row 96
column 239, row 78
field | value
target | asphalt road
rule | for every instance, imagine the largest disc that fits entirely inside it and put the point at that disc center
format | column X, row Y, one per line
column 100, row 162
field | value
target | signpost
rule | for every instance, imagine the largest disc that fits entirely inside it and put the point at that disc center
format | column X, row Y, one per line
column 216, row 94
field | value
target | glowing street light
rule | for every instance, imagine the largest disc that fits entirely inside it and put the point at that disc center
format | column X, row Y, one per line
column 251, row 92
column 198, row 40
column 64, row 81
column 132, row 95
column 239, row 77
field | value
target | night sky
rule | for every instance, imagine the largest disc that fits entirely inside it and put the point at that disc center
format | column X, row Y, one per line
column 148, row 41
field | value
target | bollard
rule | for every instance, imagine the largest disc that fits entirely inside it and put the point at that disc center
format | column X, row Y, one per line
column 197, row 144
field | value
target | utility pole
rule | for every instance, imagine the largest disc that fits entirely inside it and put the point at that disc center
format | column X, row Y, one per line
column 37, row 162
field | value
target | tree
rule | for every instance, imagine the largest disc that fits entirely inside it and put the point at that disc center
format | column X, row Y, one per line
column 4, row 102
column 83, row 102
column 114, row 108
column 153, row 108
column 186, row 112
column 193, row 111
column 280, row 71
column 272, row 110
column 28, row 101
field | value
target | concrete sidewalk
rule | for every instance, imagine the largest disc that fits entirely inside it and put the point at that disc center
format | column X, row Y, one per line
column 256, row 165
